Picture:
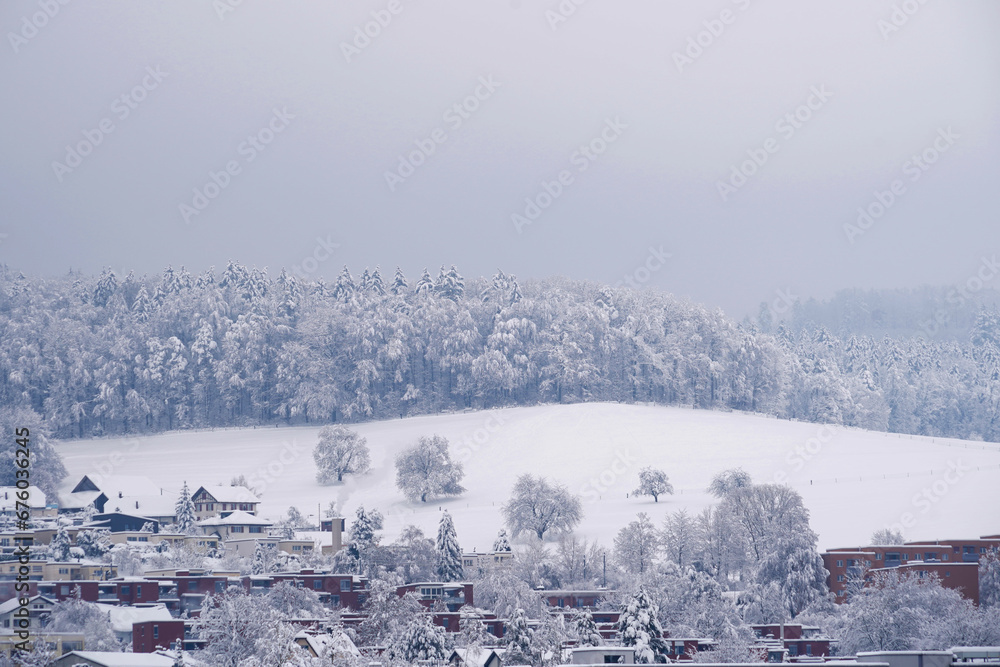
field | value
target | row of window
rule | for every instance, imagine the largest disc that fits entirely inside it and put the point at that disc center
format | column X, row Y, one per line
column 210, row 507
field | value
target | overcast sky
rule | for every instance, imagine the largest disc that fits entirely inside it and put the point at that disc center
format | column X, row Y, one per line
column 883, row 87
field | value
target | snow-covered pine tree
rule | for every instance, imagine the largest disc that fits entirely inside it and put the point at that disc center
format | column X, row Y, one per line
column 653, row 482
column 399, row 285
column 344, row 287
column 639, row 627
column 586, row 630
column 421, row 641
column 501, row 543
column 519, row 640
column 60, row 545
column 142, row 305
column 451, row 285
column 258, row 566
column 426, row 284
column 377, row 285
column 449, row 554
column 106, row 286
column 184, row 509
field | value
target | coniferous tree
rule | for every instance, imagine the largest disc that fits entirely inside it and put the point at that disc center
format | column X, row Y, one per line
column 184, row 510
column 449, row 554
column 519, row 640
column 501, row 543
column 640, row 628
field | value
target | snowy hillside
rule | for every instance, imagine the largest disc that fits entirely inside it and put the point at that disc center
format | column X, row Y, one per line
column 853, row 481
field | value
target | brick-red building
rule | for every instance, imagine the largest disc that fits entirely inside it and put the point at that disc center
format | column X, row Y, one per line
column 149, row 636
column 453, row 595
column 344, row 590
column 936, row 556
column 577, row 599
column 63, row 590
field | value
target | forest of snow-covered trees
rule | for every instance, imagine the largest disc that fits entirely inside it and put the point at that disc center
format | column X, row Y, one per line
column 114, row 354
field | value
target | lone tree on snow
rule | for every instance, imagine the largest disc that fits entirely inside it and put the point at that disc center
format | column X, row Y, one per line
column 340, row 451
column 538, row 506
column 654, row 483
column 427, row 470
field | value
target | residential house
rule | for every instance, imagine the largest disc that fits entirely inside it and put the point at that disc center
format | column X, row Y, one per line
column 211, row 501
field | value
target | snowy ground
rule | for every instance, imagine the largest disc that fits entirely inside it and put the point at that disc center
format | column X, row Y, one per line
column 853, row 481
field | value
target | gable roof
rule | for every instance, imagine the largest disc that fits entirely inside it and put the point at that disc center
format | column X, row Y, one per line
column 122, row 618
column 8, row 497
column 114, row 659
column 12, row 604
column 163, row 504
column 126, row 485
column 228, row 494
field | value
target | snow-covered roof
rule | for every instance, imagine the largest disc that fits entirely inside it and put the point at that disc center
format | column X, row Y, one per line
column 230, row 494
column 8, row 497
column 148, row 505
column 478, row 659
column 237, row 518
column 339, row 642
column 126, row 485
column 79, row 500
column 115, row 659
column 122, row 618
column 12, row 604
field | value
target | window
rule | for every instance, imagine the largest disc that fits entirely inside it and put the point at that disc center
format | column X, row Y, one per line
column 138, row 590
column 64, row 570
column 126, row 590
column 156, row 632
column 840, row 563
column 906, row 556
column 947, row 573
column 210, row 506
column 345, row 585
column 613, row 659
column 218, row 587
column 296, row 547
column 64, row 590
column 868, row 563
column 317, row 584
column 793, row 649
column 236, row 529
column 809, row 649
column 944, row 556
column 192, row 585
column 256, row 529
column 878, row 556
column 840, row 577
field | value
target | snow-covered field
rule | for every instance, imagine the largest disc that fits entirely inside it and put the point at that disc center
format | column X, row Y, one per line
column 853, row 481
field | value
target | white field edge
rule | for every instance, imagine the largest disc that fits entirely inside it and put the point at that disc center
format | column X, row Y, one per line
column 853, row 481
